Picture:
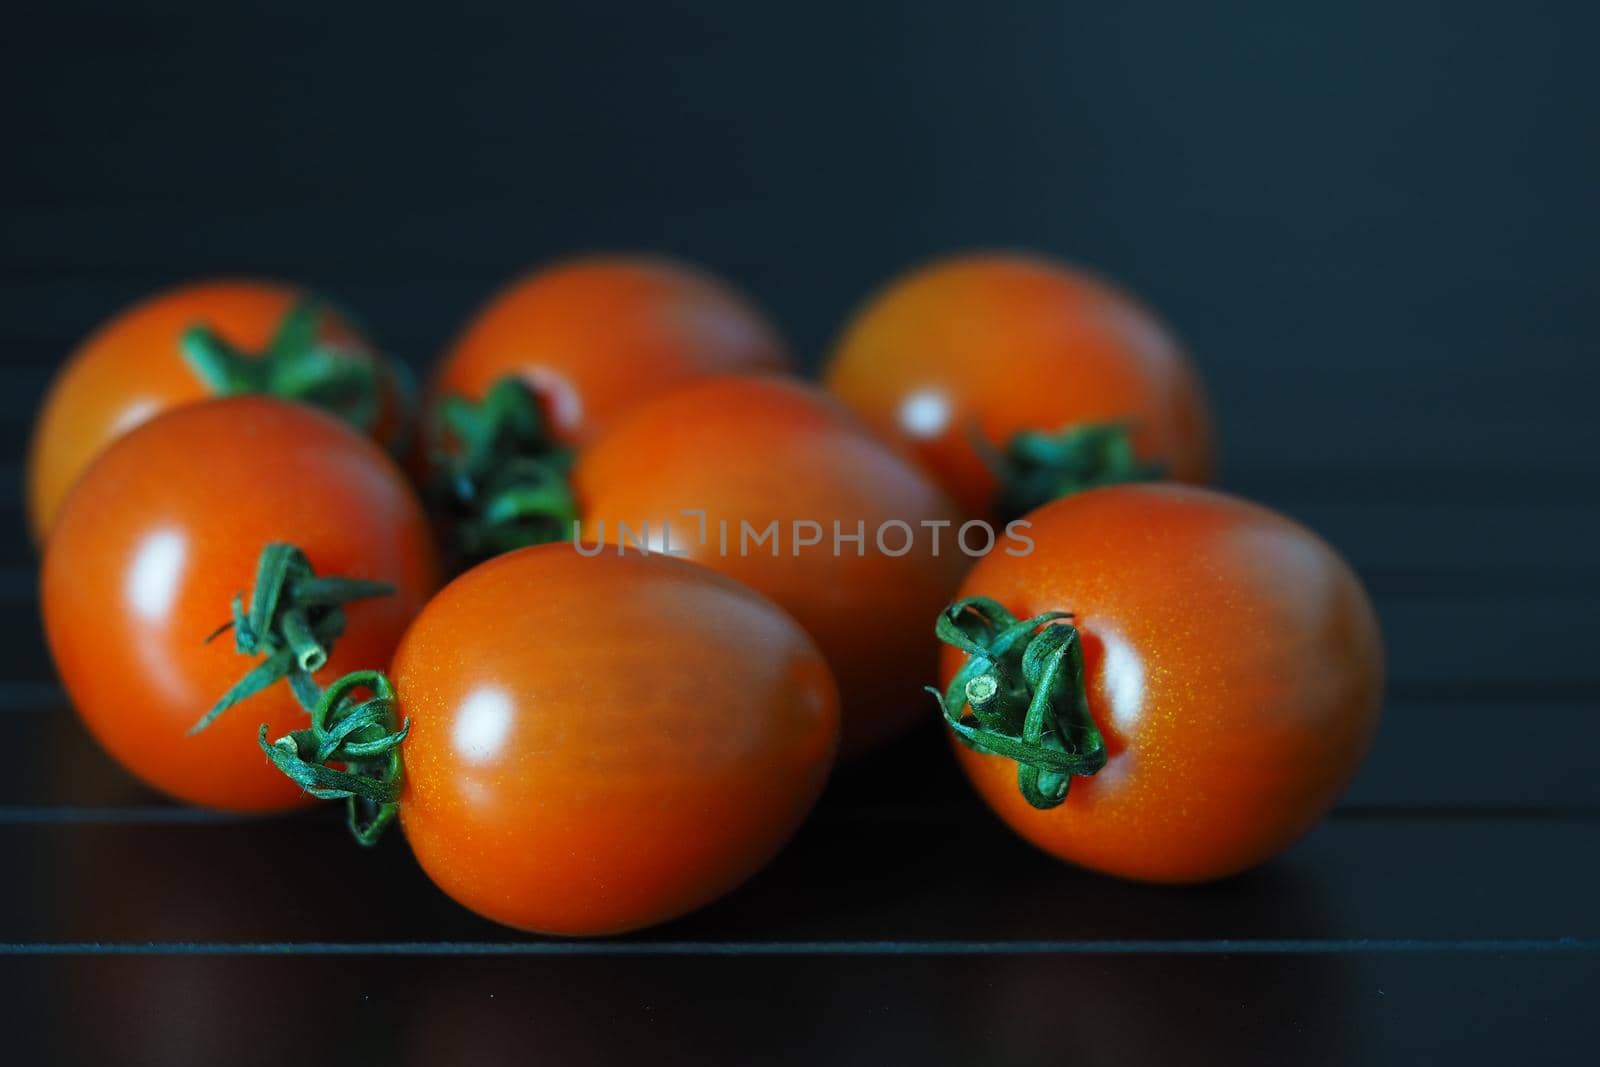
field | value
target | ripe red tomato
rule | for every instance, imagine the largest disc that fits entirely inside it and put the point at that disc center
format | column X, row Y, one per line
column 165, row 528
column 599, row 744
column 1231, row 663
column 763, row 454
column 998, row 344
column 596, row 335
column 133, row 368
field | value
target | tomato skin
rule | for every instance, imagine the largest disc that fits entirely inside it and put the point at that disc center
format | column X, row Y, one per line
column 1232, row 663
column 131, row 369
column 594, row 336
column 601, row 744
column 760, row 450
column 1003, row 342
column 159, row 536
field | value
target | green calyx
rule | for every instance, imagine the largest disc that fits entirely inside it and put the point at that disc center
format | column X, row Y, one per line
column 359, row 736
column 1023, row 683
column 293, row 619
column 501, row 475
column 1036, row 468
column 296, row 365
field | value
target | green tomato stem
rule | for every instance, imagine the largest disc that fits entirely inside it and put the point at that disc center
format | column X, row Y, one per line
column 296, row 365
column 293, row 620
column 362, row 738
column 1023, row 683
column 499, row 474
column 1035, row 468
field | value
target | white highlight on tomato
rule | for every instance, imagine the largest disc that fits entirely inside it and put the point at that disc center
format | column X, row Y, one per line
column 134, row 414
column 152, row 581
column 925, row 413
column 481, row 725
column 1123, row 672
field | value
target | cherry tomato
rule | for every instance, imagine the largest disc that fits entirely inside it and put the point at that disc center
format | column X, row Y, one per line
column 757, row 456
column 600, row 744
column 595, row 336
column 997, row 344
column 133, row 368
column 165, row 528
column 1232, row 665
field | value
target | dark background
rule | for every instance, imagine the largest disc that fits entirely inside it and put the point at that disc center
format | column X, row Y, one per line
column 1376, row 226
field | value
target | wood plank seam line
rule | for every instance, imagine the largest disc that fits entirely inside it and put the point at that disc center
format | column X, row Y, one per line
column 1204, row 946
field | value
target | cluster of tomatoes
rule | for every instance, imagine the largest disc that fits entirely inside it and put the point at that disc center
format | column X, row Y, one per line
column 618, row 710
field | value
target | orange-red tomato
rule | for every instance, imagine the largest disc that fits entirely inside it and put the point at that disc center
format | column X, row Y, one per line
column 132, row 369
column 165, row 529
column 1000, row 343
column 757, row 456
column 1232, row 663
column 594, row 336
column 601, row 744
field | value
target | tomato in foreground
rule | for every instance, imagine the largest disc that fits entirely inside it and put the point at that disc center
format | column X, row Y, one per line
column 1231, row 663
column 135, row 367
column 596, row 335
column 751, row 477
column 1019, row 351
column 592, row 745
column 167, row 527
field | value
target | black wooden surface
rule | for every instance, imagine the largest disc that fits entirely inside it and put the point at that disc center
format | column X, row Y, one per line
column 1375, row 224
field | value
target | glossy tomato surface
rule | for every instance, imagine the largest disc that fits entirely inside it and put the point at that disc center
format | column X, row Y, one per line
column 159, row 536
column 597, row 335
column 131, row 369
column 765, row 451
column 998, row 343
column 1233, row 665
column 603, row 744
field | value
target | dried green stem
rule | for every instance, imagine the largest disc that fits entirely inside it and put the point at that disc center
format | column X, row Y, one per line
column 293, row 620
column 1024, row 686
column 297, row 364
column 500, row 474
column 361, row 738
column 1035, row 468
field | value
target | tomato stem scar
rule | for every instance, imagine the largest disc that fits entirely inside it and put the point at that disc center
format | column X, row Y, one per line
column 1035, row 467
column 500, row 473
column 293, row 620
column 296, row 365
column 1023, row 682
